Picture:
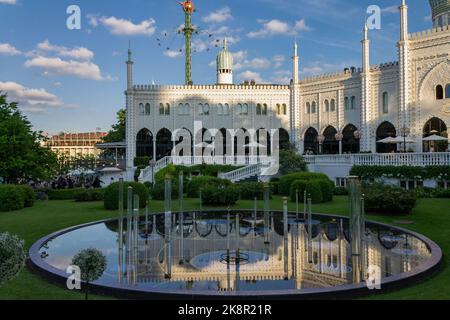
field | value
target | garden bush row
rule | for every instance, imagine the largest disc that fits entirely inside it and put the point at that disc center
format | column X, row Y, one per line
column 16, row 197
column 384, row 199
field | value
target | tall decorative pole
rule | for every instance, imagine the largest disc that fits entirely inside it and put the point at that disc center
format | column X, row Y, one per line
column 168, row 225
column 135, row 237
column 355, row 226
column 128, row 233
column 266, row 212
column 285, row 239
column 120, row 255
column 188, row 8
column 181, row 214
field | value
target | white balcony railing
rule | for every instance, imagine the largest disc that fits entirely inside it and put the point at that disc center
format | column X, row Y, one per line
column 390, row 159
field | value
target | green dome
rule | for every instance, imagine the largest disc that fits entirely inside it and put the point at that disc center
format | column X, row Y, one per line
column 225, row 58
column 439, row 7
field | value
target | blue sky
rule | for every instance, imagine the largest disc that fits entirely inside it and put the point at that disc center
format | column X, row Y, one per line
column 73, row 80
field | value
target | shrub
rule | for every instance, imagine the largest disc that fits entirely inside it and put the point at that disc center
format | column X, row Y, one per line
column 12, row 257
column 299, row 185
column 442, row 193
column 327, row 187
column 142, row 162
column 158, row 191
column 341, row 191
column 28, row 195
column 196, row 184
column 388, row 199
column 314, row 190
column 11, row 198
column 89, row 195
column 250, row 190
column 64, row 194
column 220, row 195
column 286, row 181
column 111, row 194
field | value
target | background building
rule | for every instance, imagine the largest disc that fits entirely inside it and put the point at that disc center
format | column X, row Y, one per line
column 76, row 144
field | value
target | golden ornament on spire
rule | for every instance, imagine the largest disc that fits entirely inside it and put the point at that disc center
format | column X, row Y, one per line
column 188, row 6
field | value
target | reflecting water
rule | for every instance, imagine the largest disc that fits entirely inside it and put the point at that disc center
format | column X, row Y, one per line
column 236, row 252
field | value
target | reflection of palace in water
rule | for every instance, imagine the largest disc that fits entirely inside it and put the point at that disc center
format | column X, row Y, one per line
column 209, row 255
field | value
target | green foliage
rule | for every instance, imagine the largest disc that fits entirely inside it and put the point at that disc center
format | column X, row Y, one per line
column 64, row 194
column 402, row 172
column 220, row 195
column 117, row 134
column 250, row 190
column 92, row 264
column 141, row 162
column 341, row 191
column 67, row 163
column 327, row 187
column 299, row 185
column 291, row 162
column 443, row 193
column 196, row 184
column 388, row 200
column 11, row 198
column 28, row 195
column 89, row 195
column 111, row 194
column 158, row 191
column 12, row 257
column 286, row 181
column 21, row 154
column 314, row 190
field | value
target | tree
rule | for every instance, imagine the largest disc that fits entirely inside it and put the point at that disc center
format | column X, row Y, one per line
column 22, row 154
column 12, row 256
column 92, row 264
column 291, row 162
column 117, row 134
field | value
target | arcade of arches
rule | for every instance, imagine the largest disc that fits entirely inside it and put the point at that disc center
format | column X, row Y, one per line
column 161, row 145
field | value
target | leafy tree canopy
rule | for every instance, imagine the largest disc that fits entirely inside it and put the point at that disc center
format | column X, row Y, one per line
column 117, row 134
column 22, row 154
column 291, row 162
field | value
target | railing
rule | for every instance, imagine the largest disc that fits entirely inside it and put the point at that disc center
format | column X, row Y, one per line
column 147, row 173
column 242, row 173
column 390, row 159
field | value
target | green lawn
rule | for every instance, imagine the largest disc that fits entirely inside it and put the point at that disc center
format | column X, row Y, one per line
column 431, row 217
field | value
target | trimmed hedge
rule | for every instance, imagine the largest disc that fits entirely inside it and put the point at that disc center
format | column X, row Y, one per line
column 327, row 187
column 299, row 185
column 11, row 198
column 158, row 191
column 28, row 195
column 64, row 194
column 286, row 181
column 111, row 195
column 90, row 195
column 314, row 190
column 196, row 184
column 250, row 190
column 389, row 200
column 402, row 172
column 220, row 195
column 341, row 191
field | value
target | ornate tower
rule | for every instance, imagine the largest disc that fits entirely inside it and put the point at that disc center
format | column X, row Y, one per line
column 188, row 8
column 130, row 119
column 440, row 12
column 366, row 101
column 225, row 65
column 295, row 109
column 403, row 64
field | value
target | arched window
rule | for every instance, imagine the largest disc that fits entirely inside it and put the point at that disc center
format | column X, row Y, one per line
column 187, row 109
column 265, row 109
column 167, row 111
column 200, row 109
column 284, row 109
column 226, row 109
column 141, row 108
column 239, row 109
column 385, row 102
column 181, row 110
column 353, row 103
column 313, row 107
column 245, row 109
column 439, row 92
column 278, row 109
column 447, row 91
column 147, row 109
column 327, row 106
column 206, row 109
column 347, row 103
column 161, row 109
column 308, row 107
column 220, row 109
column 258, row 109
column 333, row 105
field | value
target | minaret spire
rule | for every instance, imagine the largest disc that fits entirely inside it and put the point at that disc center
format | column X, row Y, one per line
column 129, row 69
column 295, row 64
column 403, row 62
column 366, row 97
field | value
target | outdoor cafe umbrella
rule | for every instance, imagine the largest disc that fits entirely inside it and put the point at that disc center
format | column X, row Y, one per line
column 435, row 137
column 388, row 140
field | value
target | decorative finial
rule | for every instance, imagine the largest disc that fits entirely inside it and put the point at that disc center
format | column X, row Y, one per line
column 225, row 44
column 129, row 50
column 366, row 32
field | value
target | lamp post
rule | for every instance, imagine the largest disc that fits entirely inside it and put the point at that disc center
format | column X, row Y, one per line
column 339, row 136
column 405, row 131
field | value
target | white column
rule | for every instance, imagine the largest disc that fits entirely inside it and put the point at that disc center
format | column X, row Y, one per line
column 403, row 51
column 130, row 116
column 366, row 101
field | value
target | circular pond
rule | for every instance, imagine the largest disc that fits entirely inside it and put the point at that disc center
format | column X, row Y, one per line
column 240, row 254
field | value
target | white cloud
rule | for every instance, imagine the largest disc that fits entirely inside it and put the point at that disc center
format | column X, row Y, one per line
column 281, row 77
column 218, row 16
column 8, row 50
column 29, row 99
column 278, row 27
column 278, row 61
column 241, row 61
column 123, row 27
column 58, row 66
column 8, row 1
column 390, row 9
column 173, row 53
column 249, row 76
column 78, row 53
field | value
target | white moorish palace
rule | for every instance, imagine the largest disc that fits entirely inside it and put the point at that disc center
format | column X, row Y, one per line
column 336, row 119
